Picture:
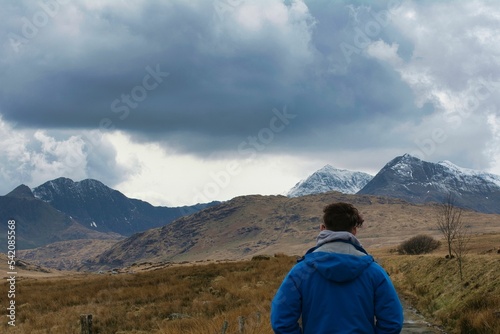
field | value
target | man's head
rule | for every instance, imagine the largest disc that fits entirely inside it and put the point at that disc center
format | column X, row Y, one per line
column 341, row 217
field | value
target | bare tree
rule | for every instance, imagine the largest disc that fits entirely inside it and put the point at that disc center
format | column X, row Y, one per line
column 449, row 220
column 460, row 245
column 455, row 232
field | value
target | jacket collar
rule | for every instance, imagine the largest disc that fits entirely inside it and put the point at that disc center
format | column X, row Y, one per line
column 327, row 236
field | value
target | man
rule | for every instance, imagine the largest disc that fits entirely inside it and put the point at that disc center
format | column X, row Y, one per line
column 337, row 287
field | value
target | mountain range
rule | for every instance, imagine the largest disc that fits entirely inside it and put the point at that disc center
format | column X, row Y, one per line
column 101, row 208
column 74, row 218
column 38, row 223
column 419, row 181
column 414, row 180
column 253, row 225
column 62, row 209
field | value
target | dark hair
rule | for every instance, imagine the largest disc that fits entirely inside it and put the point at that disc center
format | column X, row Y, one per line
column 341, row 217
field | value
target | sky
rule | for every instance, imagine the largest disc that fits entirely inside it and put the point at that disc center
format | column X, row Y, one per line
column 181, row 102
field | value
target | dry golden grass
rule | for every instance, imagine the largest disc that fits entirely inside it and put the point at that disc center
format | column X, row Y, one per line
column 184, row 299
column 200, row 298
column 434, row 288
column 432, row 284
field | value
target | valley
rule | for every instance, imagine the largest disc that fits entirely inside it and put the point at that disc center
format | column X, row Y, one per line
column 251, row 225
column 217, row 263
column 205, row 296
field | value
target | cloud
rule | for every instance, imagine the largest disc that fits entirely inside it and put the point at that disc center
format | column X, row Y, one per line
column 451, row 68
column 364, row 81
column 15, row 159
column 226, row 73
column 172, row 179
column 57, row 157
column 384, row 52
column 33, row 157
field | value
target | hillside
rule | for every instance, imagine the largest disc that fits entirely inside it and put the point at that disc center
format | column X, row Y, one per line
column 250, row 225
column 419, row 181
column 61, row 210
column 67, row 255
column 25, row 269
column 38, row 223
column 104, row 209
column 433, row 285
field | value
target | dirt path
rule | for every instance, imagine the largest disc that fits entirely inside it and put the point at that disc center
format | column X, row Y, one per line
column 416, row 323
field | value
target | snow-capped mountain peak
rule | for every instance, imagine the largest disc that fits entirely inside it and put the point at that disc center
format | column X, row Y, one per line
column 62, row 186
column 93, row 203
column 419, row 181
column 329, row 178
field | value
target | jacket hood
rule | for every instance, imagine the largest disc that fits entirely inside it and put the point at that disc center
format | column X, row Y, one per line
column 326, row 236
column 337, row 267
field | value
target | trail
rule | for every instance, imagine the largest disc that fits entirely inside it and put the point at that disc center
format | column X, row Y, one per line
column 416, row 323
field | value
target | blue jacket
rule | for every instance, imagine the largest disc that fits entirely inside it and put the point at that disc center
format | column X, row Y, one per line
column 334, row 292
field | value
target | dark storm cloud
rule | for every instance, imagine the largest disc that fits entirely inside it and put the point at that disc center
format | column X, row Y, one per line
column 223, row 80
column 202, row 80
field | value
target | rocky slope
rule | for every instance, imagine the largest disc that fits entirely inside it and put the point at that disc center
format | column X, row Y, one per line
column 104, row 209
column 419, row 181
column 38, row 223
column 250, row 225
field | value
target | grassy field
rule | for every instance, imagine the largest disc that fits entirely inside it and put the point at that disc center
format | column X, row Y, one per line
column 182, row 299
column 201, row 298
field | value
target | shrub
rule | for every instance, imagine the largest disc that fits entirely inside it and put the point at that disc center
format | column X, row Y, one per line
column 419, row 244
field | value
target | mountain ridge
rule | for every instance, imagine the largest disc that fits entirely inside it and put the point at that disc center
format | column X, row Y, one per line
column 419, row 181
column 105, row 209
column 329, row 178
column 412, row 179
column 248, row 224
column 21, row 191
column 61, row 210
column 251, row 225
column 38, row 223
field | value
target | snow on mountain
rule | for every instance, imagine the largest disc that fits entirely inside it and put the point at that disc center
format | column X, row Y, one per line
column 493, row 178
column 64, row 187
column 419, row 181
column 329, row 178
column 444, row 175
column 93, row 203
